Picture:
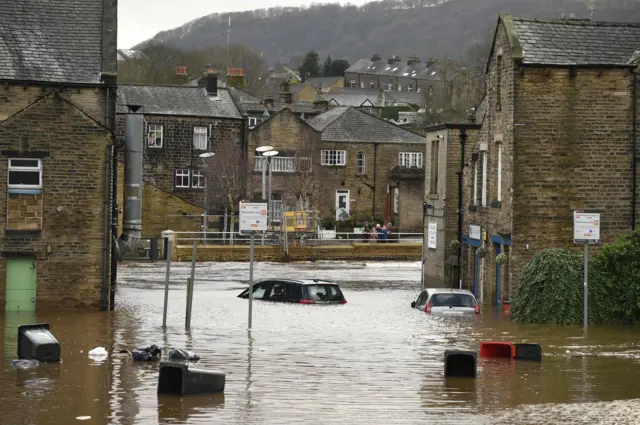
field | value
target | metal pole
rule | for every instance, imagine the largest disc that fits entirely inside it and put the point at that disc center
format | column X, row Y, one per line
column 586, row 285
column 250, row 277
column 193, row 281
column 264, row 178
column 166, row 283
column 206, row 205
column 269, row 205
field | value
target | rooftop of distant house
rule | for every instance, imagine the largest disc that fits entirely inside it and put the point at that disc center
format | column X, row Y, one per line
column 572, row 42
column 413, row 67
column 178, row 100
column 52, row 41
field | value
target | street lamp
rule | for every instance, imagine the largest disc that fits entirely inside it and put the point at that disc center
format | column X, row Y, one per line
column 261, row 151
column 205, row 223
column 268, row 155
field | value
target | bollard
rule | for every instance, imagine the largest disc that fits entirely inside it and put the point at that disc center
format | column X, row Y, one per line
column 531, row 352
column 36, row 342
column 460, row 364
column 153, row 252
column 177, row 378
column 497, row 349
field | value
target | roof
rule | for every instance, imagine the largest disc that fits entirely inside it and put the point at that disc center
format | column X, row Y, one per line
column 570, row 42
column 432, row 70
column 129, row 54
column 301, row 281
column 177, row 100
column 297, row 107
column 323, row 82
column 347, row 124
column 51, row 40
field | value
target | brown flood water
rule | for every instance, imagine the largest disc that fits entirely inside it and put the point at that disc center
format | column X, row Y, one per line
column 371, row 361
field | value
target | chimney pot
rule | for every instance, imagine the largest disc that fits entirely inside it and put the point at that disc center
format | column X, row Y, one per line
column 376, row 57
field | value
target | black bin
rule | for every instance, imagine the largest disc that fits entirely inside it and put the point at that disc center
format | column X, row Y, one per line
column 531, row 352
column 460, row 364
column 177, row 378
column 36, row 342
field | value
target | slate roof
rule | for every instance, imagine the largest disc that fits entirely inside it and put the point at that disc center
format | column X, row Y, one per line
column 51, row 40
column 576, row 42
column 325, row 82
column 177, row 100
column 356, row 97
column 298, row 107
column 346, row 124
column 420, row 70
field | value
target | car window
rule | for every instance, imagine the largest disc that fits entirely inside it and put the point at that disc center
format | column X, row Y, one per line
column 280, row 291
column 260, row 289
column 324, row 293
column 422, row 299
column 452, row 300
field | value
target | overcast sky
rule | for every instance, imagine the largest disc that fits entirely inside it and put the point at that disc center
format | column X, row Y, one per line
column 139, row 20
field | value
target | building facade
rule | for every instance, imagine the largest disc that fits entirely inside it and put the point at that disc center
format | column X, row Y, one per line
column 56, row 122
column 181, row 123
column 557, row 135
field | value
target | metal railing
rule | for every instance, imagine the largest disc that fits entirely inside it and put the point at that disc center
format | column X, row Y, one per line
column 277, row 238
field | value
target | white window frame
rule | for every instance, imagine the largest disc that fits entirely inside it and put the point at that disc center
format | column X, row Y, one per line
column 390, row 86
column 484, row 178
column 155, row 129
column 410, row 87
column 197, row 179
column 475, row 183
column 253, row 121
column 361, row 163
column 22, row 168
column 333, row 157
column 198, row 140
column 353, row 84
column 408, row 159
column 182, row 173
column 396, row 200
column 361, row 84
column 499, row 190
column 372, row 84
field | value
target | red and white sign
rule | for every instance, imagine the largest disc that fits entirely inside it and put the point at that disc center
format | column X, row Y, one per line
column 586, row 227
column 253, row 216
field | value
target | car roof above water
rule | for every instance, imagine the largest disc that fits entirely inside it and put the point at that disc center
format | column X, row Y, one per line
column 302, row 281
column 448, row 291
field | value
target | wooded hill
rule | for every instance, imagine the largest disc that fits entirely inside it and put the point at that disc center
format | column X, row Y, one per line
column 426, row 28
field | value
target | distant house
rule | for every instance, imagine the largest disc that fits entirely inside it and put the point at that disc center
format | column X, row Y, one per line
column 57, row 116
column 181, row 122
column 326, row 84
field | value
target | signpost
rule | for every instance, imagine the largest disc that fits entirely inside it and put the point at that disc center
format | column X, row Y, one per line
column 253, row 218
column 586, row 231
column 433, row 235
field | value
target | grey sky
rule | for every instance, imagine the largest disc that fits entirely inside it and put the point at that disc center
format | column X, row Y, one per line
column 139, row 20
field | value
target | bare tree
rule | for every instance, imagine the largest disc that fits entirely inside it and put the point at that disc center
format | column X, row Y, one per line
column 305, row 181
column 226, row 178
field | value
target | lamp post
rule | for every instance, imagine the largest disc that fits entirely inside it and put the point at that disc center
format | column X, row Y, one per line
column 261, row 150
column 203, row 157
column 268, row 155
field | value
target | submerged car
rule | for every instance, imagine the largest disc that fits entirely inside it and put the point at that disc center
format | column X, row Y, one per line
column 299, row 291
column 447, row 302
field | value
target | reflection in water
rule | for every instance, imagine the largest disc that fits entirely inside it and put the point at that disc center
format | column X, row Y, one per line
column 373, row 360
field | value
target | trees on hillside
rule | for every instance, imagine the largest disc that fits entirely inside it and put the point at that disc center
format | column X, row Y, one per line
column 311, row 68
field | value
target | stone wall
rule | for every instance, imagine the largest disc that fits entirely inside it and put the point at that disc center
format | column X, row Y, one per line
column 69, row 245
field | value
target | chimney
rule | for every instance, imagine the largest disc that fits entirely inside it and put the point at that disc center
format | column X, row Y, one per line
column 320, row 104
column 235, row 77
column 412, row 60
column 285, row 93
column 376, row 57
column 394, row 59
column 208, row 69
column 132, row 220
column 268, row 102
column 431, row 61
column 212, row 84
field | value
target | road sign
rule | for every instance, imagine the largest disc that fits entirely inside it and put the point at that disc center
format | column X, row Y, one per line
column 586, row 227
column 433, row 235
column 253, row 216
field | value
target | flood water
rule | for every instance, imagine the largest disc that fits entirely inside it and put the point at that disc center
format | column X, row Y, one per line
column 371, row 361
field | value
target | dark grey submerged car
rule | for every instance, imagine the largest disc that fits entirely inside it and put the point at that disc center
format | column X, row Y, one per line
column 300, row 291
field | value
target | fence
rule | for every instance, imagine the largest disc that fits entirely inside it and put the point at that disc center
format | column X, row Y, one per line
column 277, row 238
column 152, row 249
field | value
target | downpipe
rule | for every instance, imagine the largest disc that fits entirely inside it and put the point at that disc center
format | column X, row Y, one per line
column 463, row 140
column 634, row 153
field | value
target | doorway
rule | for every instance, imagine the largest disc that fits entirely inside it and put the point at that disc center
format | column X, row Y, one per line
column 342, row 205
column 21, row 284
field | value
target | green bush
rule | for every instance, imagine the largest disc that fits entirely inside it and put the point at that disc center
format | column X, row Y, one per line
column 618, row 267
column 551, row 291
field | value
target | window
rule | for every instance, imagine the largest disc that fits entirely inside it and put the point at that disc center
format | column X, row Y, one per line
column 154, row 136
column 361, row 84
column 304, row 164
column 253, row 122
column 25, row 173
column 395, row 200
column 410, row 159
column 197, row 179
column 483, row 155
column 182, row 178
column 410, row 87
column 475, row 182
column 200, row 138
column 435, row 154
column 353, row 84
column 390, row 86
column 399, row 87
column 334, row 157
column 372, row 84
column 499, row 191
column 360, row 164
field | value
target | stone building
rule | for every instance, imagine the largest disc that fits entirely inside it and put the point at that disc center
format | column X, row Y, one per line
column 58, row 95
column 344, row 161
column 181, row 122
column 558, row 134
column 447, row 145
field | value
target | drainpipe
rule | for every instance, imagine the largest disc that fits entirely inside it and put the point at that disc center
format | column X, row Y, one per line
column 104, row 290
column 634, row 120
column 375, row 163
column 463, row 139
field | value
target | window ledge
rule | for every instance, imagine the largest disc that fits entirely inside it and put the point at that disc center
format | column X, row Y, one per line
column 26, row 191
column 496, row 204
column 21, row 233
column 482, row 209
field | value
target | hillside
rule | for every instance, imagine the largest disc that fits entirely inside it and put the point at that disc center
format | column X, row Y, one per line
column 427, row 28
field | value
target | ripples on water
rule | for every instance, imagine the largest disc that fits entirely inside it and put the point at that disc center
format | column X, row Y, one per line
column 371, row 361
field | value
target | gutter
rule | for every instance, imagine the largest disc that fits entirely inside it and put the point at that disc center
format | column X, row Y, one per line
column 634, row 121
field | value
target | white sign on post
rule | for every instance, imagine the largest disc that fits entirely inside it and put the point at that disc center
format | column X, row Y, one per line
column 433, row 235
column 474, row 232
column 586, row 227
column 253, row 217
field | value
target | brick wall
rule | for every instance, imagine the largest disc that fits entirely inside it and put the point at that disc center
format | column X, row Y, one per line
column 69, row 247
column 306, row 94
column 177, row 151
column 24, row 211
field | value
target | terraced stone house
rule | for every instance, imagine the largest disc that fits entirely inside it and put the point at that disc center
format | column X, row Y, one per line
column 57, row 113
